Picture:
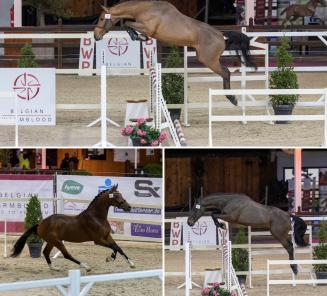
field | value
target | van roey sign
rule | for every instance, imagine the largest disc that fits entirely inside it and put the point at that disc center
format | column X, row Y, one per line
column 35, row 91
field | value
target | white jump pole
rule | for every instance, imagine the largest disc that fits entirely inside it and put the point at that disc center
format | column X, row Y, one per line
column 188, row 283
column 5, row 239
column 16, row 122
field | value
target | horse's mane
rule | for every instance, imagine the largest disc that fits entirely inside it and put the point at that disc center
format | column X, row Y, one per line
column 97, row 196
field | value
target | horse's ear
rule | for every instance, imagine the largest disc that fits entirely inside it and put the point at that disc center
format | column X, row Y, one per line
column 103, row 8
column 115, row 187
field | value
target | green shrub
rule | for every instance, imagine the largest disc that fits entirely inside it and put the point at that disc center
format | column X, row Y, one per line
column 240, row 257
column 153, row 170
column 173, row 83
column 27, row 57
column 320, row 251
column 284, row 77
column 33, row 217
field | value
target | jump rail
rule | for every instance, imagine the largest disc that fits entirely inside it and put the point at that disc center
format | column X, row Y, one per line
column 74, row 281
column 293, row 281
column 269, row 118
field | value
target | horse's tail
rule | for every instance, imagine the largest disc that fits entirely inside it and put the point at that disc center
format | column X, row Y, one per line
column 284, row 10
column 299, row 229
column 240, row 42
column 19, row 245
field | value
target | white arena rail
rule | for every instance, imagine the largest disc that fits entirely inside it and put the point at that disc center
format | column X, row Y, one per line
column 322, row 102
column 293, row 281
column 75, row 281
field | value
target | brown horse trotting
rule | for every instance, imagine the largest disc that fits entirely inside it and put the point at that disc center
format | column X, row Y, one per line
column 301, row 10
column 162, row 21
column 241, row 209
column 90, row 225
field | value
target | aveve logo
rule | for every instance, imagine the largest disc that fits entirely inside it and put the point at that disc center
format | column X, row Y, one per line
column 72, row 187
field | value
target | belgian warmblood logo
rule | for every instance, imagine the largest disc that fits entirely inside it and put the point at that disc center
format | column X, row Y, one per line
column 200, row 228
column 118, row 46
column 26, row 86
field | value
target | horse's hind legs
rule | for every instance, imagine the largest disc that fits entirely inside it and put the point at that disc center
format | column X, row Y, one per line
column 63, row 250
column 46, row 253
column 288, row 245
column 225, row 73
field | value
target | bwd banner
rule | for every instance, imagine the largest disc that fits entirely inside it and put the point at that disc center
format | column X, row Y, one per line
column 14, row 188
column 35, row 90
column 86, row 55
column 203, row 233
column 120, row 51
column 144, row 194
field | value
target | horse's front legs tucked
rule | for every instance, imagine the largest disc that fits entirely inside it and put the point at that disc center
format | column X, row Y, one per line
column 215, row 216
column 134, row 28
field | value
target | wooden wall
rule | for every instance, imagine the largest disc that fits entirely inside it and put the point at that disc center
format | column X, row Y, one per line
column 238, row 174
column 103, row 167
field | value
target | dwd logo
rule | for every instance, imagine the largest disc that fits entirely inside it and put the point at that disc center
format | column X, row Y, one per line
column 145, row 188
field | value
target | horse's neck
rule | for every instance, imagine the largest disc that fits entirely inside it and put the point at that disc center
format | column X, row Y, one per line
column 210, row 203
column 100, row 209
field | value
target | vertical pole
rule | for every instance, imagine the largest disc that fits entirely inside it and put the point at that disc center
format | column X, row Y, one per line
column 16, row 122
column 206, row 12
column 190, row 199
column 17, row 13
column 210, row 114
column 325, row 121
column 187, row 269
column 249, row 11
column 5, row 242
column 297, row 178
column 243, row 86
column 44, row 158
column 135, row 160
column 250, row 255
column 74, row 282
column 185, row 86
column 268, row 273
column 103, row 106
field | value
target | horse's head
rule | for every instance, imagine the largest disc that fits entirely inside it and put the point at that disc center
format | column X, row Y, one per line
column 321, row 2
column 117, row 199
column 196, row 213
column 100, row 28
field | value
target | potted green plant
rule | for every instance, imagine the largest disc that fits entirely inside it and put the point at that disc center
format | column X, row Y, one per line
column 240, row 257
column 320, row 252
column 284, row 78
column 142, row 134
column 33, row 217
column 153, row 170
column 5, row 155
column 27, row 57
column 216, row 290
column 173, row 84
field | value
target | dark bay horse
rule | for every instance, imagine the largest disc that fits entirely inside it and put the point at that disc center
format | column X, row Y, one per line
column 301, row 10
column 162, row 21
column 241, row 209
column 90, row 225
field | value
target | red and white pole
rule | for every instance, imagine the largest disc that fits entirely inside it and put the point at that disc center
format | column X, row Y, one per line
column 297, row 178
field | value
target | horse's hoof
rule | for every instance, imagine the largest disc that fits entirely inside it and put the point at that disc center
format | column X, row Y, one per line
column 54, row 268
column 131, row 264
column 232, row 99
column 88, row 268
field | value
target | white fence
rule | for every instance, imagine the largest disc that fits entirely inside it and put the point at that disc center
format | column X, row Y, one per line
column 293, row 281
column 75, row 281
column 322, row 102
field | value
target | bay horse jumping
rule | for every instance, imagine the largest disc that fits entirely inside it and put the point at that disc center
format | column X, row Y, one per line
column 90, row 225
column 241, row 209
column 301, row 10
column 162, row 21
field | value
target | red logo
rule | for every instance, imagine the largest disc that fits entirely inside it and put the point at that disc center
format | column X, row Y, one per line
column 118, row 46
column 200, row 228
column 27, row 86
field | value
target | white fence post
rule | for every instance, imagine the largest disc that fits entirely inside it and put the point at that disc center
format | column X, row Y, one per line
column 75, row 282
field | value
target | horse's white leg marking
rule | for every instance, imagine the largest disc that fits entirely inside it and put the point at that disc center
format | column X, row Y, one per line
column 88, row 268
column 131, row 263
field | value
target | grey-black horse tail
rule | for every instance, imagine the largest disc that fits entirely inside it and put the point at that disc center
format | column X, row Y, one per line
column 299, row 229
column 240, row 42
column 19, row 245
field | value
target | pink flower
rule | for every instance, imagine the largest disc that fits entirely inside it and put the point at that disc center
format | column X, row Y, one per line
column 162, row 137
column 143, row 142
column 215, row 293
column 141, row 121
column 140, row 133
column 205, row 291
column 155, row 143
column 128, row 130
column 215, row 285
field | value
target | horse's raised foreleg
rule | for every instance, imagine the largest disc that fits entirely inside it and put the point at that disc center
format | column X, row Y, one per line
column 61, row 247
column 215, row 216
column 135, row 28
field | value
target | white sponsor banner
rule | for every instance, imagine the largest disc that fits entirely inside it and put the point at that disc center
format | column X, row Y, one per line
column 203, row 233
column 120, row 51
column 12, row 191
column 86, row 54
column 175, row 235
column 149, row 49
column 35, row 89
column 137, row 191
